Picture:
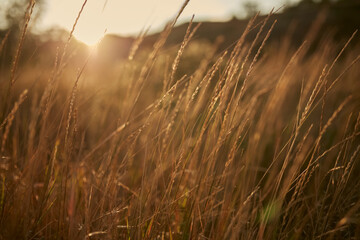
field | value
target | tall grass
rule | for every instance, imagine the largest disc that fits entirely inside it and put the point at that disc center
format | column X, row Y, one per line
column 254, row 142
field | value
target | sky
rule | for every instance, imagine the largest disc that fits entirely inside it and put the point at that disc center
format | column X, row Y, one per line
column 129, row 17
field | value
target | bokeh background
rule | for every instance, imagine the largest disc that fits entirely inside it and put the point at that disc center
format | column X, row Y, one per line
column 129, row 17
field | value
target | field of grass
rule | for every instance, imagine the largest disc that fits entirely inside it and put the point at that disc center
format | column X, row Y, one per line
column 254, row 142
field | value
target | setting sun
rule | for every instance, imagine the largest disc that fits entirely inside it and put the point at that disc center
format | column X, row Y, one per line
column 90, row 27
column 92, row 23
column 127, row 17
column 130, row 17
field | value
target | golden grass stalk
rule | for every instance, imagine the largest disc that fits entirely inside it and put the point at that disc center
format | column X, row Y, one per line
column 10, row 118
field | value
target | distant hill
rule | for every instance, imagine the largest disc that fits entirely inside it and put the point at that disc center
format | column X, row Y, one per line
column 338, row 21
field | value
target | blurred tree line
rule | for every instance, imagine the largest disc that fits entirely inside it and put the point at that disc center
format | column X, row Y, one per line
column 251, row 7
column 12, row 17
column 13, row 11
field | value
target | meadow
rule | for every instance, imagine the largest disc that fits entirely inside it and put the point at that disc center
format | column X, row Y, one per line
column 255, row 141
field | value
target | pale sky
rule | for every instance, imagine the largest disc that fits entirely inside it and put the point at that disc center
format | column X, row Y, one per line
column 128, row 17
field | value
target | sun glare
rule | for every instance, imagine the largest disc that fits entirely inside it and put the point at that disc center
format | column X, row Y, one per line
column 90, row 34
column 92, row 24
column 130, row 17
column 124, row 17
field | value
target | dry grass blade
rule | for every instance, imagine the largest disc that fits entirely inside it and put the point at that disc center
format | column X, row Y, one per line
column 29, row 12
column 9, row 119
column 3, row 41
